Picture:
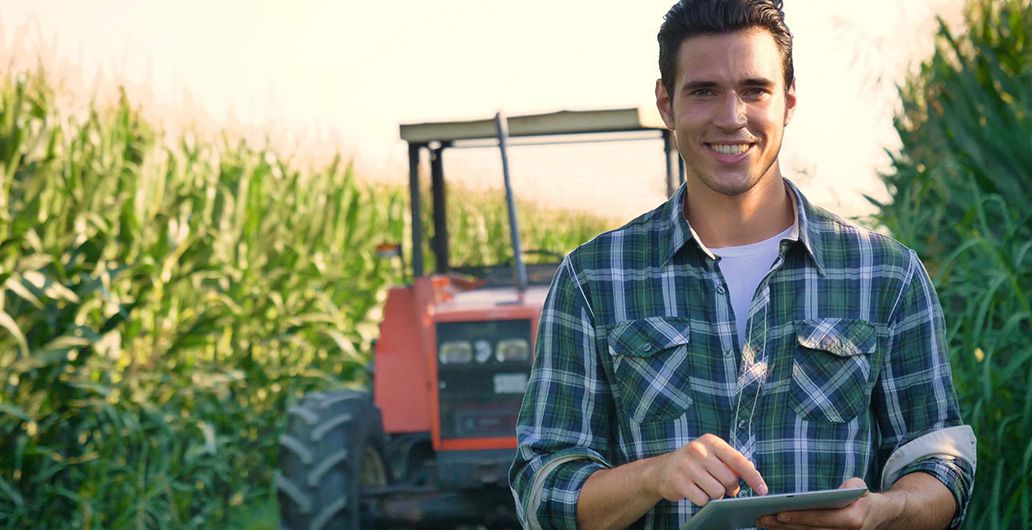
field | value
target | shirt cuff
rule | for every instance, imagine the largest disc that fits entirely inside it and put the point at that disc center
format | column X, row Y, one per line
column 956, row 474
column 557, row 486
column 957, row 442
column 947, row 454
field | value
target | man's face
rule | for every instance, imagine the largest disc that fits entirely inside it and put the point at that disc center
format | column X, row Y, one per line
column 729, row 109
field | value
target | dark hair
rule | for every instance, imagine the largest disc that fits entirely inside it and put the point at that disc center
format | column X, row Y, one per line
column 688, row 18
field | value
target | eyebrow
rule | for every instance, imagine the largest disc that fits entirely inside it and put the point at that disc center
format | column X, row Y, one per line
column 697, row 85
column 750, row 82
column 758, row 82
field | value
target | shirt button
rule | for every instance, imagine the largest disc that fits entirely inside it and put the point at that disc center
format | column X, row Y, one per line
column 721, row 289
column 743, row 424
column 646, row 347
column 727, row 352
column 743, row 493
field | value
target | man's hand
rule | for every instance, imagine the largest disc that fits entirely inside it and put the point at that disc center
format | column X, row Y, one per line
column 704, row 469
column 864, row 513
column 915, row 501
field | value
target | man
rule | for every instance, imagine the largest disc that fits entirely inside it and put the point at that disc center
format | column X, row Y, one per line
column 738, row 340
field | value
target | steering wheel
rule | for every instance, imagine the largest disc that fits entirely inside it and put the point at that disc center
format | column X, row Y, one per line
column 538, row 252
column 543, row 252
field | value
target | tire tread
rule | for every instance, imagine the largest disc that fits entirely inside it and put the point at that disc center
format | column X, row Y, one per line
column 321, row 456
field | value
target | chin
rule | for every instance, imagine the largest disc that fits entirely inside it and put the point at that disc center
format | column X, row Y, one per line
column 731, row 187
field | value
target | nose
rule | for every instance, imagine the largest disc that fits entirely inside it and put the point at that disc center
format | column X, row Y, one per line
column 731, row 112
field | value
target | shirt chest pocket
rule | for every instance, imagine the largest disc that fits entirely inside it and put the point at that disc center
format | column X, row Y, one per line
column 650, row 364
column 831, row 368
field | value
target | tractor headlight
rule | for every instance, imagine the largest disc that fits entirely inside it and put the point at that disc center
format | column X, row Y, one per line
column 483, row 350
column 512, row 350
column 455, row 352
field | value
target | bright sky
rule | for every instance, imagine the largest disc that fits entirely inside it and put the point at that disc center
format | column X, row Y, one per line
column 345, row 73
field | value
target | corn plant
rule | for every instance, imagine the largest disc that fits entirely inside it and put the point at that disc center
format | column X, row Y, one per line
column 961, row 189
column 478, row 228
column 165, row 297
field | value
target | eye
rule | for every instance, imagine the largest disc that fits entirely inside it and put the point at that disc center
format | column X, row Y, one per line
column 702, row 92
column 755, row 93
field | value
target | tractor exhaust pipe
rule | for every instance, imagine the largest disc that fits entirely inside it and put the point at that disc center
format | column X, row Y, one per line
column 502, row 125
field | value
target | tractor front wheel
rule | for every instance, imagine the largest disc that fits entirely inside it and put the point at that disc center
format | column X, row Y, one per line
column 332, row 451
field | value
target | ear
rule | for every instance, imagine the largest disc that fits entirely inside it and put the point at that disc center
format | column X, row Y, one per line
column 664, row 104
column 790, row 102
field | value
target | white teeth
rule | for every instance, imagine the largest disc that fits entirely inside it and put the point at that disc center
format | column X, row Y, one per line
column 729, row 149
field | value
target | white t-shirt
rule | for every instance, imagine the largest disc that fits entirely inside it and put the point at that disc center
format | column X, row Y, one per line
column 743, row 268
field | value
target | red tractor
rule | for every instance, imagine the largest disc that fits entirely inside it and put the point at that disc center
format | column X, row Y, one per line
column 430, row 445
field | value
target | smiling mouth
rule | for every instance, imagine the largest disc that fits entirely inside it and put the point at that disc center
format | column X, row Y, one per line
column 729, row 149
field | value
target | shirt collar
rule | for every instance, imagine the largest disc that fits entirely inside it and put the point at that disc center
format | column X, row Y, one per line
column 804, row 229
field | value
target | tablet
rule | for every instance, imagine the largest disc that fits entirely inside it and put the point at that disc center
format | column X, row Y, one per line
column 742, row 512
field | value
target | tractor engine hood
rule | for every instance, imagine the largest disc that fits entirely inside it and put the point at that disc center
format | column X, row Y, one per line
column 489, row 303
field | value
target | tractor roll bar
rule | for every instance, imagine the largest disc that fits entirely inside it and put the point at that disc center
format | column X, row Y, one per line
column 502, row 125
column 435, row 137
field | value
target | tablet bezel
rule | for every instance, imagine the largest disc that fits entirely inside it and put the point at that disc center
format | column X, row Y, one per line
column 732, row 512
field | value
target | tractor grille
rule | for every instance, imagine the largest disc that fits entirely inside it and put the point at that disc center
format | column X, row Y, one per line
column 481, row 377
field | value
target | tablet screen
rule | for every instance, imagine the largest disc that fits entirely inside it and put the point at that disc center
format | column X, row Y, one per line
column 742, row 512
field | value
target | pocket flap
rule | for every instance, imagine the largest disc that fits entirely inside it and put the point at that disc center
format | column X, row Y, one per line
column 842, row 337
column 647, row 336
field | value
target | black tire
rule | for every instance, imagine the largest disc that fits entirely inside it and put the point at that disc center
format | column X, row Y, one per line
column 333, row 450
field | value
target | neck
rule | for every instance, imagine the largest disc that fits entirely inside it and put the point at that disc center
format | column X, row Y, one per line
column 727, row 221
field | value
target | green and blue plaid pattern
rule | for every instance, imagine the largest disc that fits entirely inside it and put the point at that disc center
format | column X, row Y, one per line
column 637, row 354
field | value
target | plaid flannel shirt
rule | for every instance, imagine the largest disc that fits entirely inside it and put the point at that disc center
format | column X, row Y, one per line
column 843, row 364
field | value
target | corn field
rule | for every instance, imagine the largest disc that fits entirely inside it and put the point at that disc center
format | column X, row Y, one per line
column 165, row 299
column 962, row 198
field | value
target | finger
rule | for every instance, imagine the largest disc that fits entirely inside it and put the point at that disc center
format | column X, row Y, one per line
column 737, row 463
column 816, row 519
column 741, row 466
column 722, row 473
column 770, row 523
column 713, row 487
column 696, row 495
column 854, row 482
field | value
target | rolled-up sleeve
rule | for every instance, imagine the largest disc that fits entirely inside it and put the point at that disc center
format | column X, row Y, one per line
column 562, row 430
column 915, row 402
column 955, row 473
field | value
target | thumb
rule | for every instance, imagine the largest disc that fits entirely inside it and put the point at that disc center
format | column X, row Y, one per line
column 854, row 482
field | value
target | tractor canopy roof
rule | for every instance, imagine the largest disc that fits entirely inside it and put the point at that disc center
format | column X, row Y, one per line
column 548, row 124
